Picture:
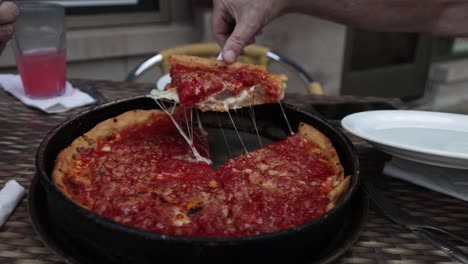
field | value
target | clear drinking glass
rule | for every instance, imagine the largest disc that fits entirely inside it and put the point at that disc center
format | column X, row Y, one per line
column 39, row 44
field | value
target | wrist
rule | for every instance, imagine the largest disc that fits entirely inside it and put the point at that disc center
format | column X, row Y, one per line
column 281, row 7
column 294, row 5
column 301, row 6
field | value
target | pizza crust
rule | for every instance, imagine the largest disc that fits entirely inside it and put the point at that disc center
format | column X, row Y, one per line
column 106, row 129
column 197, row 62
column 337, row 182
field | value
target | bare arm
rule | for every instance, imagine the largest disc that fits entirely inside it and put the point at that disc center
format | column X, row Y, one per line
column 441, row 17
column 8, row 14
column 236, row 22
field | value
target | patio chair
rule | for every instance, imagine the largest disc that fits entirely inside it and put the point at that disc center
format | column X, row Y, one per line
column 254, row 54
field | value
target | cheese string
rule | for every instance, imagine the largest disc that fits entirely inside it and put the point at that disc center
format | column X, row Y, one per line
column 235, row 128
column 251, row 111
column 188, row 139
column 189, row 125
column 202, row 130
column 285, row 117
column 224, row 135
column 200, row 126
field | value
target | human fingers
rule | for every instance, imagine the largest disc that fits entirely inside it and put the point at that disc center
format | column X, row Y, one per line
column 243, row 34
column 6, row 32
column 237, row 22
column 223, row 22
column 229, row 27
column 2, row 47
column 250, row 42
column 8, row 12
column 222, row 37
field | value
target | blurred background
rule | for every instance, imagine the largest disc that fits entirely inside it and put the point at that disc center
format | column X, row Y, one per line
column 106, row 39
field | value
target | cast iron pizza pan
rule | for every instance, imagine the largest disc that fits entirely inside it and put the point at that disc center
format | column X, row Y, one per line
column 132, row 245
column 75, row 253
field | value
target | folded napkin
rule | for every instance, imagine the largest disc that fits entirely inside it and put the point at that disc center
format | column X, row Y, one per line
column 453, row 182
column 10, row 196
column 70, row 99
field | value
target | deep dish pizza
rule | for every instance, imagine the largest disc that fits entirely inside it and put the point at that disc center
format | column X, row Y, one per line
column 212, row 85
column 136, row 169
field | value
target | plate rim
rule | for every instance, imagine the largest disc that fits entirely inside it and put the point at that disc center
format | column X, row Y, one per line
column 163, row 81
column 443, row 154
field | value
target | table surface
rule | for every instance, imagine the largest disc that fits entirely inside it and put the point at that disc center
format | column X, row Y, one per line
column 22, row 129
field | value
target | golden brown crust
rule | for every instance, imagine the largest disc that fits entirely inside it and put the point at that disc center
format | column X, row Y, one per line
column 106, row 129
column 338, row 182
column 198, row 62
column 338, row 191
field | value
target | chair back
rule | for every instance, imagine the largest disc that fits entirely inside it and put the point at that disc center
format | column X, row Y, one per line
column 253, row 54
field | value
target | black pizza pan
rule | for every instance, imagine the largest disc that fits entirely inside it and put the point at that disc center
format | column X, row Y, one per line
column 74, row 252
column 132, row 245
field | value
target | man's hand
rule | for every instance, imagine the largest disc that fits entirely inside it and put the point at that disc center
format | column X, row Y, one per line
column 8, row 14
column 237, row 22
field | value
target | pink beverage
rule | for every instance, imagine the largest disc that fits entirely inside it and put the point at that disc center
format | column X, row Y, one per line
column 43, row 72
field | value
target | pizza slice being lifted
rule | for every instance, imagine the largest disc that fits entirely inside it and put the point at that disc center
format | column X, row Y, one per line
column 212, row 85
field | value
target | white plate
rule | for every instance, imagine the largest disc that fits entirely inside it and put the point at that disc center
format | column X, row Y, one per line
column 429, row 137
column 165, row 79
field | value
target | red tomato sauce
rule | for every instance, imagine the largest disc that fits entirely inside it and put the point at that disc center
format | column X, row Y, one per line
column 196, row 84
column 142, row 177
column 276, row 187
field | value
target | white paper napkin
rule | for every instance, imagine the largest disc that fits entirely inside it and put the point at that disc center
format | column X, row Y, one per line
column 10, row 196
column 453, row 182
column 70, row 99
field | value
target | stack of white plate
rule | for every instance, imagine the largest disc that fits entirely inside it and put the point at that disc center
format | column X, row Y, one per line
column 429, row 148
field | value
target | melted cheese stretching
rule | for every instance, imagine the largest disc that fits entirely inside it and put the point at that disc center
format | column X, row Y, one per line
column 231, row 102
column 169, row 95
column 189, row 140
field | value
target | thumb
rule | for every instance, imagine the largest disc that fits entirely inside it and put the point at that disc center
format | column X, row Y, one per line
column 2, row 47
column 235, row 44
